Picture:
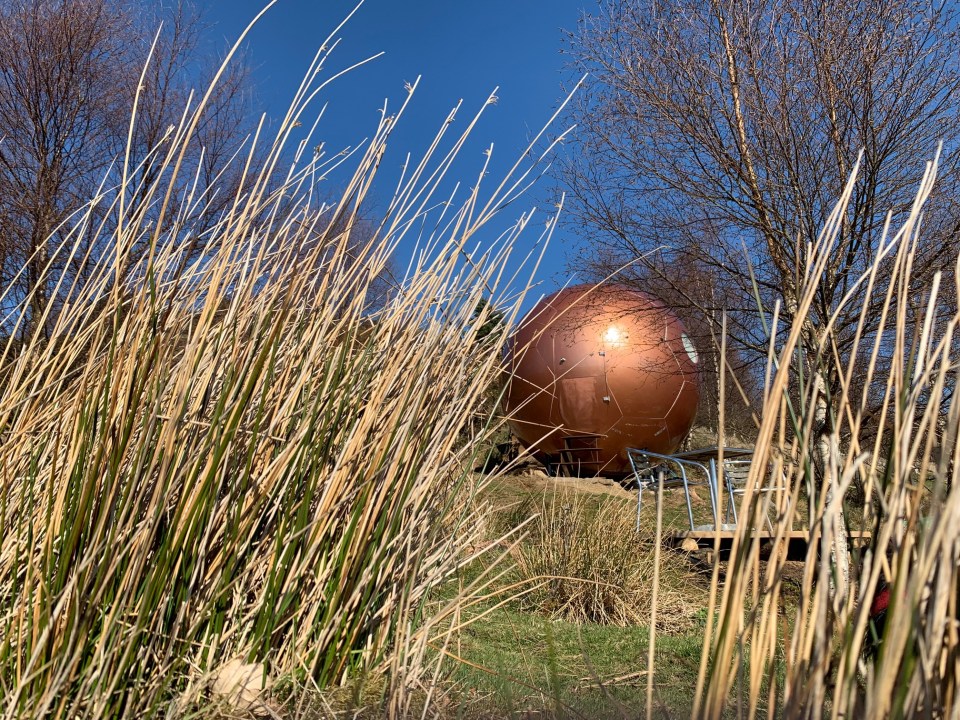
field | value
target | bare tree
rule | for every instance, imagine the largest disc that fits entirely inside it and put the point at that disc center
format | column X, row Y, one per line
column 720, row 133
column 57, row 75
column 69, row 72
column 703, row 319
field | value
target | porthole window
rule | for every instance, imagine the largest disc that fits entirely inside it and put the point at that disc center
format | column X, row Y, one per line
column 691, row 350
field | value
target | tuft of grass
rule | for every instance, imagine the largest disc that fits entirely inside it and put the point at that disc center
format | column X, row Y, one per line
column 584, row 562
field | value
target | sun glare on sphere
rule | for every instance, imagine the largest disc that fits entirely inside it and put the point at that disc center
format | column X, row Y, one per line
column 614, row 336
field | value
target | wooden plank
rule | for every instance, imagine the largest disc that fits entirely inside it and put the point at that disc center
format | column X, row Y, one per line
column 796, row 540
column 762, row 534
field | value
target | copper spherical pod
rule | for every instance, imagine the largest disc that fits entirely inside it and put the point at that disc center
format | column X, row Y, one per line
column 598, row 369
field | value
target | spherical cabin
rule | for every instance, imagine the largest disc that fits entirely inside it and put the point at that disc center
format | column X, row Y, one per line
column 598, row 369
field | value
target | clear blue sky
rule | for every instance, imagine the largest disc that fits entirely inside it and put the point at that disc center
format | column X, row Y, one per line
column 460, row 49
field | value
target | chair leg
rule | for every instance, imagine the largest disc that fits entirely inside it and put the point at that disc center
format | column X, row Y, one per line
column 731, row 506
column 714, row 492
column 639, row 499
column 686, row 491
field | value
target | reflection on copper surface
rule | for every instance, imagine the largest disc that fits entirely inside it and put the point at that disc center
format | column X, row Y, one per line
column 597, row 369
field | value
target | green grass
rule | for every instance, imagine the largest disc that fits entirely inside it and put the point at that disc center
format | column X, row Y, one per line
column 518, row 661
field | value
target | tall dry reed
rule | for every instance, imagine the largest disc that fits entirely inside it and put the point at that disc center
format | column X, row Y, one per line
column 234, row 446
column 807, row 659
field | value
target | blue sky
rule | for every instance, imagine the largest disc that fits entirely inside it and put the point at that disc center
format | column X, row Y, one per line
column 459, row 49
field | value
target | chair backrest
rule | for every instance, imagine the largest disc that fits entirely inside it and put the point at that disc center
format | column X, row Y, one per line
column 736, row 471
column 647, row 470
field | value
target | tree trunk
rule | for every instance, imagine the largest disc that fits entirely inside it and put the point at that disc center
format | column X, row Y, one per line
column 834, row 530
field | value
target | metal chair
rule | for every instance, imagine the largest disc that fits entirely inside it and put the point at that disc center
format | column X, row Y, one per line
column 648, row 466
column 735, row 474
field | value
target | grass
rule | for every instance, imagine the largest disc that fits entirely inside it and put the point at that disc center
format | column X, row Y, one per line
column 594, row 567
column 533, row 663
column 521, row 658
column 535, row 653
column 816, row 445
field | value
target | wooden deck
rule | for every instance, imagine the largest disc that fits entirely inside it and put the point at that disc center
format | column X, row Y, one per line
column 796, row 540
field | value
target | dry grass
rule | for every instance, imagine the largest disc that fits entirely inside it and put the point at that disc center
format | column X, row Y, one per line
column 233, row 446
column 805, row 659
column 586, row 564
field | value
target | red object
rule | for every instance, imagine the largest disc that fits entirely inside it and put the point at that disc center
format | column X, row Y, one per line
column 598, row 369
column 880, row 602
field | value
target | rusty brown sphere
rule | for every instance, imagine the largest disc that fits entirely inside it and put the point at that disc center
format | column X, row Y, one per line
column 598, row 369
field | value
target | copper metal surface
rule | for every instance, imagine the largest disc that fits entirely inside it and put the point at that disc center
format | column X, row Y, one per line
column 605, row 367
